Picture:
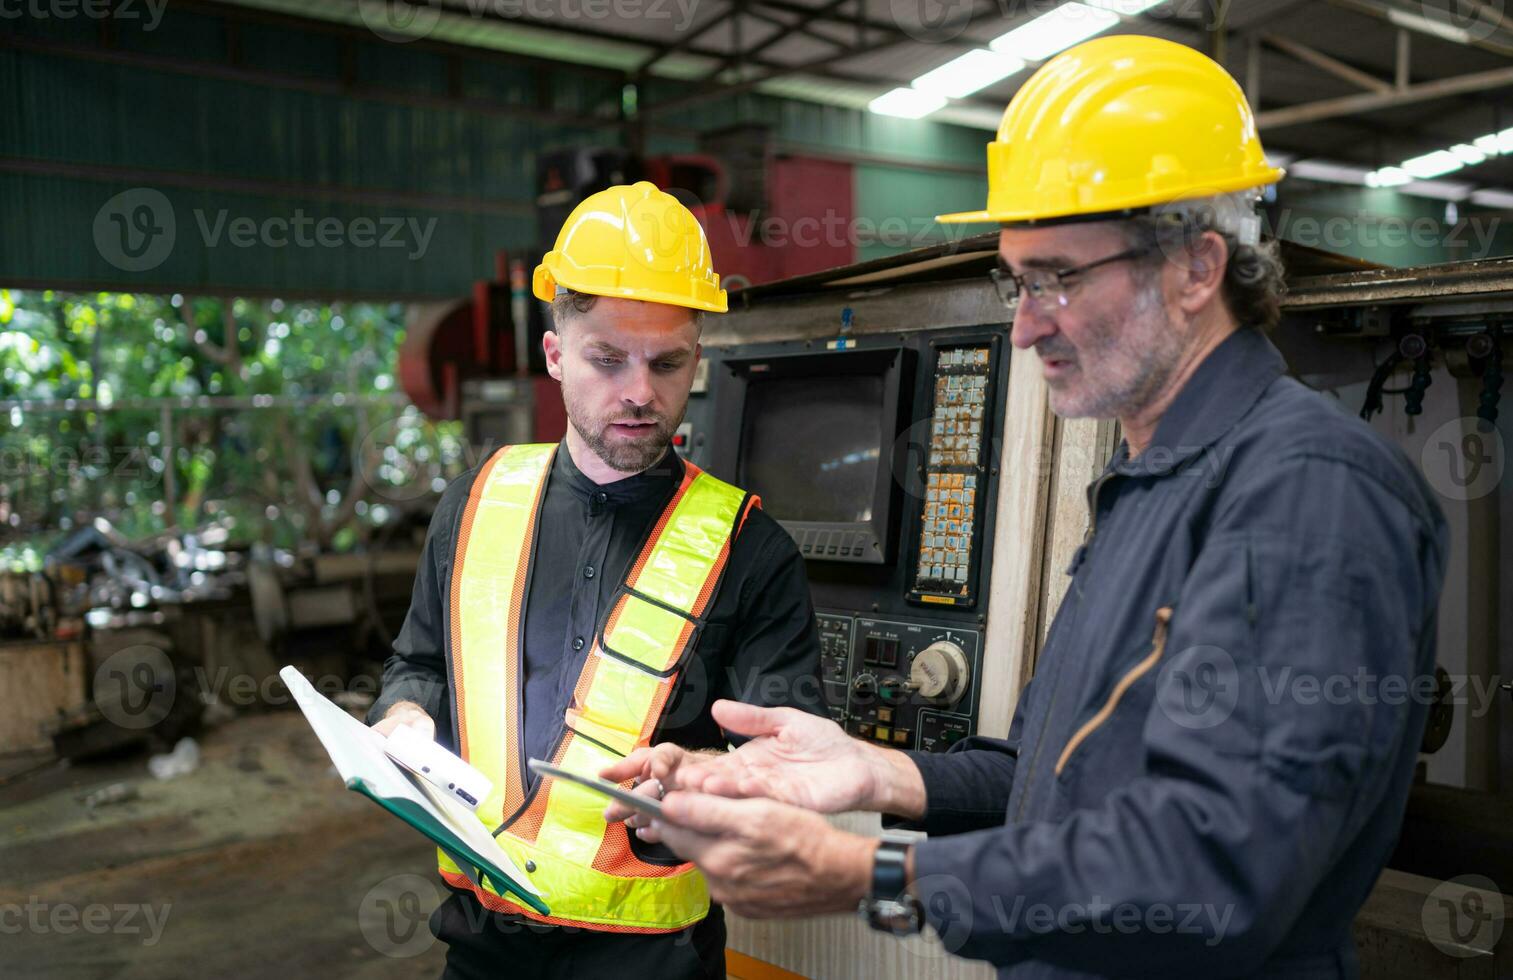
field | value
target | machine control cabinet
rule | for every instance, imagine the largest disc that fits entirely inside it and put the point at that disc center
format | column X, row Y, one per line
column 878, row 455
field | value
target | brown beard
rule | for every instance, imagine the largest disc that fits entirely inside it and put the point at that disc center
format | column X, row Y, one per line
column 624, row 456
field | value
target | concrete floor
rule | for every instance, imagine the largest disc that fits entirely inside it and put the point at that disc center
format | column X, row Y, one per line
column 257, row 864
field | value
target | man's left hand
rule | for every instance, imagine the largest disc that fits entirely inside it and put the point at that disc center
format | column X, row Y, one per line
column 766, row 860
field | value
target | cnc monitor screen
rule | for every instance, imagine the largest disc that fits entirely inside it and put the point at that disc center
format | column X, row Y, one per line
column 814, row 435
column 810, row 446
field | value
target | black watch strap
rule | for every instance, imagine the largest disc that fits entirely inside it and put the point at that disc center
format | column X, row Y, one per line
column 889, row 907
column 889, row 871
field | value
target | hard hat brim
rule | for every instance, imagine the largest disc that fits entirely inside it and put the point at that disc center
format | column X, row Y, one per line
column 1113, row 210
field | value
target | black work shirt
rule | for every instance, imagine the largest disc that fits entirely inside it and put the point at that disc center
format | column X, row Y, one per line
column 1209, row 769
column 760, row 643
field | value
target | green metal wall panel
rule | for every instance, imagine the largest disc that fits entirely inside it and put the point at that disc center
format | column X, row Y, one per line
column 900, row 205
column 407, row 133
column 1384, row 226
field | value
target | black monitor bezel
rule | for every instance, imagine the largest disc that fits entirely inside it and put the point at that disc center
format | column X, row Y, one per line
column 872, row 542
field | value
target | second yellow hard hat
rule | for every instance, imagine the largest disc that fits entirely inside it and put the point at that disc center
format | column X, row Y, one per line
column 1118, row 124
column 632, row 242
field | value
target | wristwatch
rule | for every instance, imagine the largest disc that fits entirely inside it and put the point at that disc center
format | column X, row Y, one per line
column 889, row 907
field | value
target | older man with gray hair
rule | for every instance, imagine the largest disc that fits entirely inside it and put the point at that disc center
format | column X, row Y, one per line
column 1166, row 801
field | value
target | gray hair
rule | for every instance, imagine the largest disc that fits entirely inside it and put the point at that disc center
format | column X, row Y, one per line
column 569, row 303
column 1253, row 280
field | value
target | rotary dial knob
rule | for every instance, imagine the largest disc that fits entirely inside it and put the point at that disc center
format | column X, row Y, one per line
column 940, row 673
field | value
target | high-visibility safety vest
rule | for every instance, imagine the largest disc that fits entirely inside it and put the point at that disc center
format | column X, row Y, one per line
column 583, row 867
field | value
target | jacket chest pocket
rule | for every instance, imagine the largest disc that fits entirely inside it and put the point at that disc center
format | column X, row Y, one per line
column 1110, row 737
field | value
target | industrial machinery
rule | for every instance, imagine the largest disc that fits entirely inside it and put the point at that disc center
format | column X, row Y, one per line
column 876, row 453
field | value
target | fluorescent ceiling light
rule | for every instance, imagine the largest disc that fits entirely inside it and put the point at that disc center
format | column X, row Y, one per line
column 1433, row 164
column 1054, row 31
column 1444, row 190
column 1429, row 25
column 972, row 72
column 1334, row 173
column 1279, row 160
column 907, row 103
column 1494, row 144
column 1493, row 199
column 1467, row 154
column 1388, row 177
column 1126, row 8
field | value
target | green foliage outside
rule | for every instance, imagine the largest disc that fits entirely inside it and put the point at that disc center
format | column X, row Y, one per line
column 318, row 445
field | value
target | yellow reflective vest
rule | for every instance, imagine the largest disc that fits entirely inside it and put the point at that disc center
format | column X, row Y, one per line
column 584, row 867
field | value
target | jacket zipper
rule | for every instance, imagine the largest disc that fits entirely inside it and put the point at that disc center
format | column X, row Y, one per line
column 1082, row 550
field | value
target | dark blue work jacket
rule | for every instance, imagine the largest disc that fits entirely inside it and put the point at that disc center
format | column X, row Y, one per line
column 1210, row 766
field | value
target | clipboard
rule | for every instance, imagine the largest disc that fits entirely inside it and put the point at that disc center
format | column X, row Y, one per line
column 358, row 754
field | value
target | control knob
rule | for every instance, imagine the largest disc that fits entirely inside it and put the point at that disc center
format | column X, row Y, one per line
column 940, row 673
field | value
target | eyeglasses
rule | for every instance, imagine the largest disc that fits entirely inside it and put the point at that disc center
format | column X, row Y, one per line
column 1047, row 288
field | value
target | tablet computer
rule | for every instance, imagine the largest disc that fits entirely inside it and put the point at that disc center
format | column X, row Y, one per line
column 637, row 801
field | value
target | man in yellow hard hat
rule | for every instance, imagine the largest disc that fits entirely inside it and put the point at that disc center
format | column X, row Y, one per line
column 1211, row 764
column 581, row 600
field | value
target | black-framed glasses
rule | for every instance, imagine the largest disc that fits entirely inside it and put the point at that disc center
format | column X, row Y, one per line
column 1047, row 288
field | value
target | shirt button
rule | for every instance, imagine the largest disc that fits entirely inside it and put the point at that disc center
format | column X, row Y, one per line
column 577, row 643
column 601, row 497
column 588, row 571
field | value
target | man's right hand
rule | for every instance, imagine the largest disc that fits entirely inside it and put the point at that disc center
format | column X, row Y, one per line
column 406, row 713
column 792, row 757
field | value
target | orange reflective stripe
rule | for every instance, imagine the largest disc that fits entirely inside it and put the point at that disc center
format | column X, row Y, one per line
column 586, row 869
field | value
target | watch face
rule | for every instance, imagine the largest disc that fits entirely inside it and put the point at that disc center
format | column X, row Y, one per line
column 900, row 918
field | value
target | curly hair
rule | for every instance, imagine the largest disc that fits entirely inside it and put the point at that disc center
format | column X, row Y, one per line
column 1254, row 278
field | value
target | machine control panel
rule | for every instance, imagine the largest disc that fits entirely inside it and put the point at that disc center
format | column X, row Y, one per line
column 835, row 662
column 945, row 567
column 901, row 683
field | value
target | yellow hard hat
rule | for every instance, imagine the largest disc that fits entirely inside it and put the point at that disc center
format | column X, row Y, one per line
column 1119, row 124
column 632, row 242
